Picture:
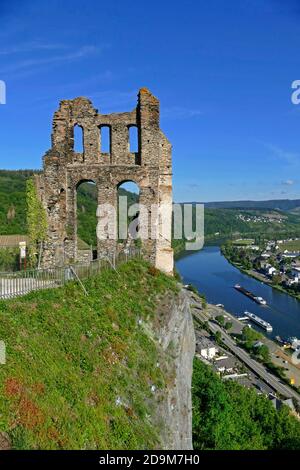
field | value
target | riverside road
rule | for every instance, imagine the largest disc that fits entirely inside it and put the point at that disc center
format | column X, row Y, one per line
column 274, row 382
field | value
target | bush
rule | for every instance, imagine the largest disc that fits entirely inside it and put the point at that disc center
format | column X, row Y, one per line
column 220, row 319
column 9, row 259
column 228, row 416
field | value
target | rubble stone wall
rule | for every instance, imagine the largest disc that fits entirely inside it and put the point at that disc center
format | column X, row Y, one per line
column 64, row 170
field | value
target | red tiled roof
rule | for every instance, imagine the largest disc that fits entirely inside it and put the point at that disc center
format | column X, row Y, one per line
column 12, row 240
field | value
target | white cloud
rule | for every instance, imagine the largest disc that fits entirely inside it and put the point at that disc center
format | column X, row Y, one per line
column 30, row 47
column 31, row 64
column 284, row 155
column 288, row 182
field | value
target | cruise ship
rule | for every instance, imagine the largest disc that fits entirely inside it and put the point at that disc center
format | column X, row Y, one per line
column 259, row 300
column 259, row 321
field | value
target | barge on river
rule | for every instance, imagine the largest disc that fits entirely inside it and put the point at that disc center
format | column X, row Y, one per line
column 257, row 299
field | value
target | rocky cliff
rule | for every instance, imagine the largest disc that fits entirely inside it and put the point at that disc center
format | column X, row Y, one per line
column 177, row 341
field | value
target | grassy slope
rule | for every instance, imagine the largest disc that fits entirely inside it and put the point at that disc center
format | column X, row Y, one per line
column 291, row 245
column 80, row 369
column 69, row 358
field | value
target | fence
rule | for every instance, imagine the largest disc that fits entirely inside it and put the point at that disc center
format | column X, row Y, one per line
column 22, row 282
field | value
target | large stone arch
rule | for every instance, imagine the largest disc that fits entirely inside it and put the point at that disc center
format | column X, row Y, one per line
column 150, row 168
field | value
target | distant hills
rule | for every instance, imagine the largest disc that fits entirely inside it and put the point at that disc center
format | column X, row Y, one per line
column 272, row 204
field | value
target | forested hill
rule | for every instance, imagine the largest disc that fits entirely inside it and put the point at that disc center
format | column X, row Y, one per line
column 220, row 223
column 13, row 205
column 13, row 201
column 273, row 204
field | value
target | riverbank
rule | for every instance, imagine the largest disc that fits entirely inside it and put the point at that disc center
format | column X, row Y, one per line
column 260, row 277
column 279, row 358
column 272, row 373
column 212, row 274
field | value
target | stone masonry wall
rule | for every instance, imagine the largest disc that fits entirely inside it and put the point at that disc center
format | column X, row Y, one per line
column 64, row 170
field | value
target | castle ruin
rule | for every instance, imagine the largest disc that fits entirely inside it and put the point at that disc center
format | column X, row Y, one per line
column 65, row 169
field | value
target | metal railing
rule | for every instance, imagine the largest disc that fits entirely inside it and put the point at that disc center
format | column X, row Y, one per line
column 15, row 284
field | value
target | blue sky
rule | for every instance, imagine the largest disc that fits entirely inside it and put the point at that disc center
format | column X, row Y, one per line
column 222, row 71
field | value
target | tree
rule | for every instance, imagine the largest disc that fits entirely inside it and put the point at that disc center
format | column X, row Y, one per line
column 220, row 319
column 228, row 325
column 263, row 352
column 218, row 337
column 36, row 220
column 203, row 301
column 257, row 264
column 228, row 416
column 250, row 336
column 276, row 279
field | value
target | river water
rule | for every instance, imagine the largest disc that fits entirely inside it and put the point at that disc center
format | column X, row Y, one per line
column 214, row 276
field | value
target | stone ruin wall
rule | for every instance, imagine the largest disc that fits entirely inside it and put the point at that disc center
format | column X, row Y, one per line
column 64, row 169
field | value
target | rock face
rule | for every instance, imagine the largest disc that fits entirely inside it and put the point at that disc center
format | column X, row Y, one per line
column 150, row 167
column 5, row 443
column 176, row 338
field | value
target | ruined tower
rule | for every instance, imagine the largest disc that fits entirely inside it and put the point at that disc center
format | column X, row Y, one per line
column 64, row 169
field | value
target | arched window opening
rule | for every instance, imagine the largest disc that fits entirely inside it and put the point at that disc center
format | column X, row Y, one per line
column 133, row 139
column 129, row 214
column 86, row 221
column 78, row 139
column 105, row 137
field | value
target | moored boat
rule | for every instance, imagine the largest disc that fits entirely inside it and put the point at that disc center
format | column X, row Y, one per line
column 259, row 321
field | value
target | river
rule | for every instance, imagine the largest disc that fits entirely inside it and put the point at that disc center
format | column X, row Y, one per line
column 214, row 276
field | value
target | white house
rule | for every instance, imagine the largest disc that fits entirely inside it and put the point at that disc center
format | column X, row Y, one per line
column 206, row 347
column 270, row 270
column 225, row 365
column 265, row 255
column 253, row 247
column 290, row 254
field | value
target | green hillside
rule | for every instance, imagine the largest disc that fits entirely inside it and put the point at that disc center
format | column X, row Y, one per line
column 220, row 223
column 13, row 201
column 228, row 416
column 13, row 205
column 252, row 222
column 295, row 211
column 273, row 204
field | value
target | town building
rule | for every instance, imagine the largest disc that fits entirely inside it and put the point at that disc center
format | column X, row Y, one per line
column 206, row 347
